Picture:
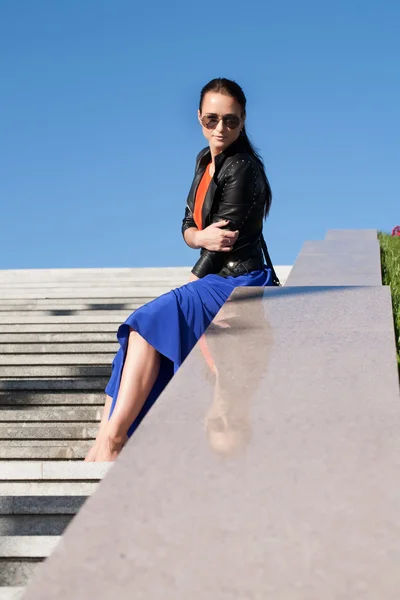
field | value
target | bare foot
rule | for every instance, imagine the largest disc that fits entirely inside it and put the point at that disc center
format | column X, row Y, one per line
column 108, row 450
column 91, row 455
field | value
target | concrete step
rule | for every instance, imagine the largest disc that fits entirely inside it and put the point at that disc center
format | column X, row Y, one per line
column 48, row 303
column 37, row 546
column 54, row 348
column 88, row 338
column 11, row 372
column 17, row 572
column 50, row 478
column 48, row 431
column 20, row 555
column 52, row 471
column 138, row 289
column 58, row 328
column 93, row 284
column 17, row 315
column 33, row 525
column 46, row 359
column 51, row 398
column 73, row 274
column 75, row 452
column 94, row 318
column 45, row 413
column 95, row 384
column 65, row 349
column 44, row 449
column 111, row 282
column 40, row 505
column 47, row 488
column 11, row 593
column 52, row 293
column 74, row 304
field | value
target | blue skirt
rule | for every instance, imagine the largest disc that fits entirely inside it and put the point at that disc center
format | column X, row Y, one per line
column 172, row 324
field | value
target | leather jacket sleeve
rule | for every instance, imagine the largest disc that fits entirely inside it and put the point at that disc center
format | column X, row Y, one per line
column 187, row 221
column 240, row 195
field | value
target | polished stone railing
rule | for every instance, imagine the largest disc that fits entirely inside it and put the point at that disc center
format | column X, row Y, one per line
column 269, row 467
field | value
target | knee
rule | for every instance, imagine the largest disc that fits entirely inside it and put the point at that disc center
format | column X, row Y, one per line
column 133, row 335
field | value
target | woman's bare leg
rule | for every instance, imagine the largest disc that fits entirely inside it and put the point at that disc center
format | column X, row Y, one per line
column 141, row 368
column 91, row 456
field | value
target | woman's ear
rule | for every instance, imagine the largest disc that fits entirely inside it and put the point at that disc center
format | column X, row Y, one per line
column 199, row 117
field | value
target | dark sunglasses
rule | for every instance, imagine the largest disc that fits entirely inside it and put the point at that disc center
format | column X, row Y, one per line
column 211, row 121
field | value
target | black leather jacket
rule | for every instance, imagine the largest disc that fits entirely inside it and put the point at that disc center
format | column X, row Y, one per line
column 237, row 193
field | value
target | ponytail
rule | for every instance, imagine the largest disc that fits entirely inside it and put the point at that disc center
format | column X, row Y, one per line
column 254, row 153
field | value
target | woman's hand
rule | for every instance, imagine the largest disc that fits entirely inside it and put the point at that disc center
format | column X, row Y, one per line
column 216, row 239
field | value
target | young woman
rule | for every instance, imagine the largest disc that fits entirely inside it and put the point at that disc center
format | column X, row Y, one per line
column 229, row 197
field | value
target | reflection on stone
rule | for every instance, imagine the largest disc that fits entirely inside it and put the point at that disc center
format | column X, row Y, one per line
column 228, row 350
column 227, row 422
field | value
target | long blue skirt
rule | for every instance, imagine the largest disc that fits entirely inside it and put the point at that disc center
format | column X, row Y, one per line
column 172, row 324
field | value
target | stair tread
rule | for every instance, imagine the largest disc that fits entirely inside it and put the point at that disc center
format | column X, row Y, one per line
column 57, row 328
column 49, row 414
column 11, row 593
column 47, row 488
column 111, row 318
column 40, row 505
column 27, row 546
column 22, row 371
column 55, row 450
column 55, row 359
column 96, row 384
column 49, row 430
column 38, row 398
column 48, row 347
column 50, row 470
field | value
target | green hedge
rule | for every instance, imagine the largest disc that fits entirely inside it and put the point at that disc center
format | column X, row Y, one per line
column 390, row 258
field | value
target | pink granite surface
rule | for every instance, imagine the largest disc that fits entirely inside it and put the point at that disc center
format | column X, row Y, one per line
column 274, row 476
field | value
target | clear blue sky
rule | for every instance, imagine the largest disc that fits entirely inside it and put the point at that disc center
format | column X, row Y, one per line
column 98, row 128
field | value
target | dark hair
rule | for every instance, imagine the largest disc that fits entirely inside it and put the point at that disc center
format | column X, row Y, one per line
column 231, row 88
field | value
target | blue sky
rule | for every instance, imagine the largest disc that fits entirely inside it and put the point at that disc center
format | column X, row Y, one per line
column 98, row 128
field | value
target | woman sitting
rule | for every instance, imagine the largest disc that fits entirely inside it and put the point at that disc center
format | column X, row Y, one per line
column 228, row 200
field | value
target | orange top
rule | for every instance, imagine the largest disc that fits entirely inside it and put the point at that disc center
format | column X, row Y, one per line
column 200, row 195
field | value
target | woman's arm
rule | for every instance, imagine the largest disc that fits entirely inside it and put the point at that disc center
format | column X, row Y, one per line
column 239, row 197
column 213, row 237
column 193, row 277
column 190, row 235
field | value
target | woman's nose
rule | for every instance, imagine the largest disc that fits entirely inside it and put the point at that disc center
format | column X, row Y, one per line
column 220, row 126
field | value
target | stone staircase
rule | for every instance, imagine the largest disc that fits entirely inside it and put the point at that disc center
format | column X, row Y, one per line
column 57, row 341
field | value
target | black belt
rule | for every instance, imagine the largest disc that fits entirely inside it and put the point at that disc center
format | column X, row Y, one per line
column 240, row 267
column 235, row 266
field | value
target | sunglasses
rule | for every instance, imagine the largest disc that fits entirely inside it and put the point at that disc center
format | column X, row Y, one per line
column 211, row 121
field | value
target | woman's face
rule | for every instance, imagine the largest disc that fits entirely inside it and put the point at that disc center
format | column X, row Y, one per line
column 219, row 105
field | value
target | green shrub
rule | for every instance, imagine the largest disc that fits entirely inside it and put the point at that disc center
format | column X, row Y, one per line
column 390, row 258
